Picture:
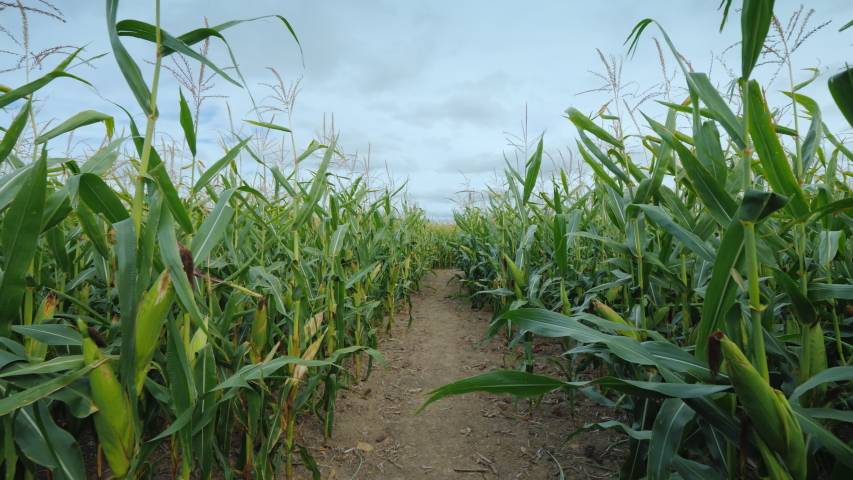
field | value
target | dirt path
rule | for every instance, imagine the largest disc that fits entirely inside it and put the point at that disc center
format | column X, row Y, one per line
column 476, row 435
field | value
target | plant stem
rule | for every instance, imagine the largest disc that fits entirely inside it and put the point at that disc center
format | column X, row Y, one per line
column 758, row 353
column 149, row 132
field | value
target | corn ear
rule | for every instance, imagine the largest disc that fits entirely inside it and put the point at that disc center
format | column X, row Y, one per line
column 515, row 272
column 259, row 331
column 153, row 309
column 113, row 420
column 768, row 409
column 795, row 456
column 309, row 354
column 375, row 272
column 312, row 325
column 608, row 313
column 775, row 470
column 815, row 361
column 45, row 311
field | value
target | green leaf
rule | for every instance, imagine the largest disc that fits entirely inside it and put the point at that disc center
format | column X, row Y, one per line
column 171, row 257
column 50, row 334
column 604, row 159
column 714, row 197
column 755, row 21
column 19, row 238
column 840, row 450
column 126, row 64
column 721, row 291
column 531, row 173
column 31, row 439
column 89, row 224
column 679, row 360
column 164, row 182
column 10, row 138
column 690, row 240
column 841, row 88
column 32, row 87
column 613, row 425
column 82, row 119
column 318, row 187
column 772, row 155
column 521, row 384
column 103, row 160
column 557, row 325
column 101, row 199
column 666, row 436
column 146, row 31
column 690, row 470
column 30, row 395
column 181, row 382
column 57, row 207
column 214, row 169
column 58, row 364
column 337, row 241
column 801, row 306
column 265, row 369
column 10, row 184
column 309, row 462
column 709, row 95
column 834, row 374
column 125, row 250
column 186, row 118
column 213, row 228
column 313, row 146
column 268, row 125
column 827, row 246
column 599, row 172
column 815, row 133
column 758, row 205
column 582, row 121
column 699, row 86
column 67, row 459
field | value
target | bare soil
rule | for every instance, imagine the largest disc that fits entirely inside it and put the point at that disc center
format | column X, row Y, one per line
column 378, row 436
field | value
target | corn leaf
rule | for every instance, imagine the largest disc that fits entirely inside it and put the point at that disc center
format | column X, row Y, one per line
column 19, row 238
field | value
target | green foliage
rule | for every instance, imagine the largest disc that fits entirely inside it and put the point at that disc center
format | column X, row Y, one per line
column 726, row 251
column 148, row 316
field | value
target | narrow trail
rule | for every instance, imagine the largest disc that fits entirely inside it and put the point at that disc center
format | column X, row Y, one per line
column 476, row 435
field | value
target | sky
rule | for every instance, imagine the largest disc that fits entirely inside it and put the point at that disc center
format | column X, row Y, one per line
column 435, row 91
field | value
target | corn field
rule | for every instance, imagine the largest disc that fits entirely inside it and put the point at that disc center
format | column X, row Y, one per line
column 709, row 287
column 187, row 328
column 184, row 323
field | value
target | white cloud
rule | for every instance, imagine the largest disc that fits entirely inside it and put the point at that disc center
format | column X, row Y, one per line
column 431, row 87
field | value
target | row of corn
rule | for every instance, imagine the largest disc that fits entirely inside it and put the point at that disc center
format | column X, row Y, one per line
column 185, row 335
column 705, row 274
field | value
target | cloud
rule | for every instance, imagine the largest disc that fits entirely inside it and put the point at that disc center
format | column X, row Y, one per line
column 428, row 87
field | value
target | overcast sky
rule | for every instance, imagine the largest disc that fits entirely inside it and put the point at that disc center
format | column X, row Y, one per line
column 433, row 87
